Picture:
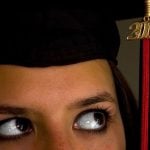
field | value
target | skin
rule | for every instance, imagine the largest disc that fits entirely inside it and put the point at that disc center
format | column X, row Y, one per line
column 52, row 98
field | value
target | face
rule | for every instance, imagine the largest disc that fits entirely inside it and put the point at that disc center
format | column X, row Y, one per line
column 72, row 107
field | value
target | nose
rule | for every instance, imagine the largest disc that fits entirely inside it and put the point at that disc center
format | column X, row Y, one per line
column 56, row 141
column 60, row 143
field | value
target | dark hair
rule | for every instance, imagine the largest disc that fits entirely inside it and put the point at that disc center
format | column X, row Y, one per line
column 128, row 108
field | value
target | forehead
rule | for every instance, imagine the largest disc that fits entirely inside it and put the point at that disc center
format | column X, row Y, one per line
column 68, row 82
column 76, row 71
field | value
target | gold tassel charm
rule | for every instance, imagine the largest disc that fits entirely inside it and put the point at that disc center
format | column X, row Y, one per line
column 141, row 30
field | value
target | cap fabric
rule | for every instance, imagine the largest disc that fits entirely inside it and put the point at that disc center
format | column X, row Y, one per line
column 57, row 37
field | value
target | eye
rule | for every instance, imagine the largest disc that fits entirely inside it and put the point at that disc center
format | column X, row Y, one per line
column 15, row 127
column 91, row 120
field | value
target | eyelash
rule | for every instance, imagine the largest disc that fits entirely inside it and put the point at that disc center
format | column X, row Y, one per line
column 107, row 113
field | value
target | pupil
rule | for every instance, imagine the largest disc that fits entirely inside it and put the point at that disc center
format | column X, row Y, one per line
column 99, row 118
column 23, row 124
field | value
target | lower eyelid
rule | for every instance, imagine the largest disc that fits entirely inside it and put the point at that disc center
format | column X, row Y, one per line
column 16, row 138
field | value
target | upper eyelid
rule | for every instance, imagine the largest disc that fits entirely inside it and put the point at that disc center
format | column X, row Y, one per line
column 6, row 120
column 109, row 108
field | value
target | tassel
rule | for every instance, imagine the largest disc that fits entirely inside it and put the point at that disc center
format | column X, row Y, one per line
column 141, row 31
column 145, row 94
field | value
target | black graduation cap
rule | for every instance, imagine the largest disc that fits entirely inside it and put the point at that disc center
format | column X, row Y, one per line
column 127, row 9
column 57, row 37
column 60, row 36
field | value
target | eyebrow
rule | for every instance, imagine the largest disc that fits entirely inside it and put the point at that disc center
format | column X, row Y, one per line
column 6, row 109
column 100, row 97
column 85, row 102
